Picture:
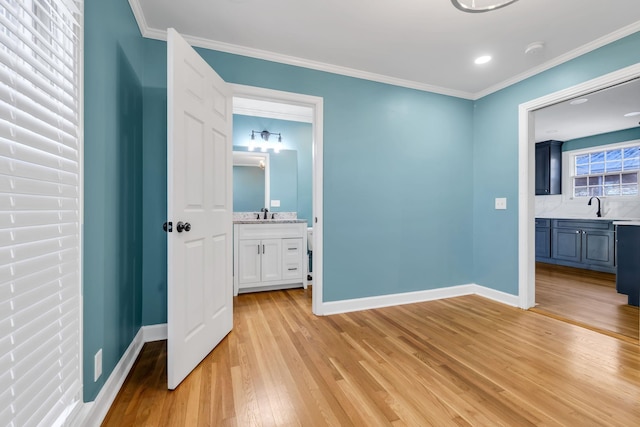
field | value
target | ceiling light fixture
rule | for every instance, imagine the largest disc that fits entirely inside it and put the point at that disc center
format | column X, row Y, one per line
column 482, row 59
column 478, row 6
column 264, row 144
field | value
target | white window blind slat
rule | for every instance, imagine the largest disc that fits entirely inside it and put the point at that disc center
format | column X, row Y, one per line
column 19, row 185
column 11, row 168
column 24, row 202
column 34, row 219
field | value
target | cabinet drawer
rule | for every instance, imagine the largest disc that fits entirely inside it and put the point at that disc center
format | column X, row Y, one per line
column 583, row 224
column 542, row 222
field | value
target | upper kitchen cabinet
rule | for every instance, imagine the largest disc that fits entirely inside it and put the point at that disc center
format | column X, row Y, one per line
column 548, row 168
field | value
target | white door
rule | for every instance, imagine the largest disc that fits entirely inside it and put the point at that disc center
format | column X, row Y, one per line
column 199, row 288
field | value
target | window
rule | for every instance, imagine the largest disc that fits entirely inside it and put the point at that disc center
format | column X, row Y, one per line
column 612, row 172
column 40, row 211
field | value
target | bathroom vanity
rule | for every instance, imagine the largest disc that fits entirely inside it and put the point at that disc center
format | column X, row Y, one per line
column 269, row 254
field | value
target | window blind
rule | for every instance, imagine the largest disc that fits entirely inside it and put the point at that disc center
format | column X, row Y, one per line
column 40, row 211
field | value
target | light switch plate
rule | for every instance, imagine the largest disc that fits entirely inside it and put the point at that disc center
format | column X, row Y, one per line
column 275, row 203
column 501, row 203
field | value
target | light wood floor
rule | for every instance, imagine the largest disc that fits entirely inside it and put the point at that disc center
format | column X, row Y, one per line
column 586, row 298
column 463, row 361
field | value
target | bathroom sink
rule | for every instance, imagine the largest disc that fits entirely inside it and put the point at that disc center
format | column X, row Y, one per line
column 271, row 221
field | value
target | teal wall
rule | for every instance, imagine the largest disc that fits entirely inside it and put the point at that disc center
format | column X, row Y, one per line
column 113, row 186
column 602, row 139
column 296, row 136
column 495, row 159
column 248, row 188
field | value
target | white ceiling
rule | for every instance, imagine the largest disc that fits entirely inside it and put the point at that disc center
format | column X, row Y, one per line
column 424, row 44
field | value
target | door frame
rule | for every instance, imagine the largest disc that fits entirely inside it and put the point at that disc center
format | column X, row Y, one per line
column 316, row 104
column 526, row 175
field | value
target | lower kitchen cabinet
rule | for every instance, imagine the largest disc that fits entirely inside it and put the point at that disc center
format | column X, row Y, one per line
column 588, row 244
column 543, row 239
column 628, row 253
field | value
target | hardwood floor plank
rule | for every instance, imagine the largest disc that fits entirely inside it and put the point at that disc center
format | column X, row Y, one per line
column 464, row 361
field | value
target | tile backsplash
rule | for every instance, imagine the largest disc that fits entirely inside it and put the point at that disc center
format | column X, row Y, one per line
column 562, row 207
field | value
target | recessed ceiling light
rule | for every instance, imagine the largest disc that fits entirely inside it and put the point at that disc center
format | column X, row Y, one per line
column 482, row 59
column 633, row 113
column 578, row 101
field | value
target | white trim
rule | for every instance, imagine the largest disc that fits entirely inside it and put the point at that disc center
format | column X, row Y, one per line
column 156, row 34
column 317, row 105
column 526, row 169
column 368, row 303
column 154, row 332
column 93, row 413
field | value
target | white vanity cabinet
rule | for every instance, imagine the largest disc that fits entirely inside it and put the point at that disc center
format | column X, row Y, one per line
column 269, row 256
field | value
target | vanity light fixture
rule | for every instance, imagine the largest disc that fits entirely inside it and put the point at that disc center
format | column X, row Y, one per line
column 478, row 6
column 264, row 144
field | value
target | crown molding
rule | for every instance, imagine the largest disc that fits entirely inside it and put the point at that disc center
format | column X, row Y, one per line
column 153, row 33
column 602, row 41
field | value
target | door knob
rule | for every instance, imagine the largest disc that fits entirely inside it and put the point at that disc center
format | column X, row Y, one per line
column 167, row 227
column 183, row 226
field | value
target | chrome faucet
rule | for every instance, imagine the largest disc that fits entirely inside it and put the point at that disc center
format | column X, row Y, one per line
column 266, row 211
column 598, row 214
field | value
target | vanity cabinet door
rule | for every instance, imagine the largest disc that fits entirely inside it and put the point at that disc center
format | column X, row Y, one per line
column 249, row 254
column 271, row 259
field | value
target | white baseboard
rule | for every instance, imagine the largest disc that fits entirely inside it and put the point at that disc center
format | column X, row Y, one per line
column 497, row 296
column 368, row 303
column 93, row 413
column 154, row 332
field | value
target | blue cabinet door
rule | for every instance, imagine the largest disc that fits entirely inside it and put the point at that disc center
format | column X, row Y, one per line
column 567, row 244
column 543, row 242
column 598, row 247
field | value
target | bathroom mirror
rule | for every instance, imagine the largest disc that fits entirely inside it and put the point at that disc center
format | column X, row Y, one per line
column 251, row 181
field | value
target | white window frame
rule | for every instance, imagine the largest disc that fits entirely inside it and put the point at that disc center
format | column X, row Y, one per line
column 568, row 171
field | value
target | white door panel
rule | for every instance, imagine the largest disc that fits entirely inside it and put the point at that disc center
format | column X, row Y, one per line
column 200, row 305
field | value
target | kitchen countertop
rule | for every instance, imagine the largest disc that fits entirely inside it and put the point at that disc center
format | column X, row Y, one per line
column 627, row 222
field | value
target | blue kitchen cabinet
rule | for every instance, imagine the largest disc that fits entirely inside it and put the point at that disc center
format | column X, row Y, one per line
column 628, row 253
column 543, row 239
column 548, row 168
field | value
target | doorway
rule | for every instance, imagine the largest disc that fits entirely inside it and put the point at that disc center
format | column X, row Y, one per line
column 527, row 266
column 271, row 102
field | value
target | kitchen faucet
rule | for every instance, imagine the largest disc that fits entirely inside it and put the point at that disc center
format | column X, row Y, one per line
column 265, row 210
column 598, row 214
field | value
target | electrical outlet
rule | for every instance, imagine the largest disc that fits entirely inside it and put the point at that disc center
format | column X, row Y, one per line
column 275, row 203
column 501, row 203
column 97, row 365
